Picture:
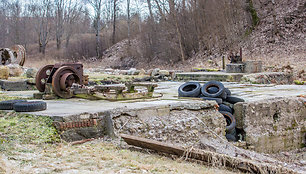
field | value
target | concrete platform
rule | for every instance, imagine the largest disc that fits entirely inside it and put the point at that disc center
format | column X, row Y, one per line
column 75, row 106
column 207, row 76
column 270, row 115
column 257, row 78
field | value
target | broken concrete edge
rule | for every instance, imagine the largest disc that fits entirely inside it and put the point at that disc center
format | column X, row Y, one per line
column 210, row 158
column 188, row 105
column 103, row 121
column 273, row 125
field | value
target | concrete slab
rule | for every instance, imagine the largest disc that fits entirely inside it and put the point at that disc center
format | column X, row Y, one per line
column 207, row 76
column 255, row 78
column 76, row 106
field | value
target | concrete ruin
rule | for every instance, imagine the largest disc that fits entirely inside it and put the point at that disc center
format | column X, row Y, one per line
column 272, row 119
column 273, row 125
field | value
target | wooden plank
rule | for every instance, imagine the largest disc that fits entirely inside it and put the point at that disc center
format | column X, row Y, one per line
column 152, row 144
column 211, row 158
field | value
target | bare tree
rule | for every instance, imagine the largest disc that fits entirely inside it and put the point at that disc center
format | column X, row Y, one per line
column 114, row 21
column 59, row 21
column 97, row 6
column 4, row 27
column 72, row 16
column 15, row 9
column 42, row 12
column 128, row 21
column 173, row 13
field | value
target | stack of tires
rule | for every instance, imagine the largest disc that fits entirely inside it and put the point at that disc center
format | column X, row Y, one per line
column 214, row 90
column 23, row 105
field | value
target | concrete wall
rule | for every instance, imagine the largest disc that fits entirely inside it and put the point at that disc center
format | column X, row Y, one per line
column 273, row 125
column 179, row 124
column 183, row 122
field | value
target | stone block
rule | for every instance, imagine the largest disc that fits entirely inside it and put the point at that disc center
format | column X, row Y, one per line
column 4, row 72
column 31, row 73
column 273, row 125
column 235, row 68
column 268, row 78
column 20, row 85
column 252, row 66
column 15, row 70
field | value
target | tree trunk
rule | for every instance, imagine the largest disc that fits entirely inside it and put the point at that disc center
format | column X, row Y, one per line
column 114, row 22
column 98, row 37
column 275, row 27
column 174, row 15
column 128, row 21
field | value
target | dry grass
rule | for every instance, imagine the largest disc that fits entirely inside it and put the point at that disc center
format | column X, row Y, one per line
column 29, row 144
column 96, row 157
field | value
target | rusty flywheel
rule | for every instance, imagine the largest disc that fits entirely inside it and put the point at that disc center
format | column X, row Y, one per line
column 42, row 76
column 62, row 79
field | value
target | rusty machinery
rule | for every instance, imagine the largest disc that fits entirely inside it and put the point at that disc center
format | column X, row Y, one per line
column 234, row 57
column 67, row 80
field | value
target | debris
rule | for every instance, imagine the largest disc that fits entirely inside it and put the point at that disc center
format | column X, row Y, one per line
column 211, row 158
column 67, row 80
column 81, row 141
column 13, row 55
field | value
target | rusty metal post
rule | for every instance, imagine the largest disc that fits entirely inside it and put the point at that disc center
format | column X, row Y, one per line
column 223, row 62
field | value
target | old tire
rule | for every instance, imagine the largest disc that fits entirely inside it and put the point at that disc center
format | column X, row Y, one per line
column 218, row 100
column 223, row 107
column 230, row 121
column 8, row 104
column 31, row 106
column 230, row 137
column 212, row 90
column 223, row 95
column 228, row 92
column 206, row 86
column 189, row 89
column 234, row 100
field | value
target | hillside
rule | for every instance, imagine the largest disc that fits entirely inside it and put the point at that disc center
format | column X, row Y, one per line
column 287, row 47
column 277, row 43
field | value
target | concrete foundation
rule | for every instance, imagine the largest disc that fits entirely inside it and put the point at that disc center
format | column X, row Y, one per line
column 272, row 117
column 235, row 68
column 252, row 66
column 254, row 78
column 16, row 85
column 273, row 125
column 244, row 67
column 207, row 76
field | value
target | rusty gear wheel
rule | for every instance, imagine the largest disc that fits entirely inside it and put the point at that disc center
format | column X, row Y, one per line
column 42, row 76
column 62, row 79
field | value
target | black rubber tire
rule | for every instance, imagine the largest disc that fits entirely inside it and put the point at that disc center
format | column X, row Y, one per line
column 219, row 85
column 223, row 95
column 234, row 100
column 218, row 100
column 31, row 106
column 230, row 121
column 223, row 107
column 8, row 104
column 228, row 92
column 212, row 90
column 230, row 137
column 189, row 89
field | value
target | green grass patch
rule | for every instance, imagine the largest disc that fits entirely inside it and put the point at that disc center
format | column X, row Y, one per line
column 18, row 128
